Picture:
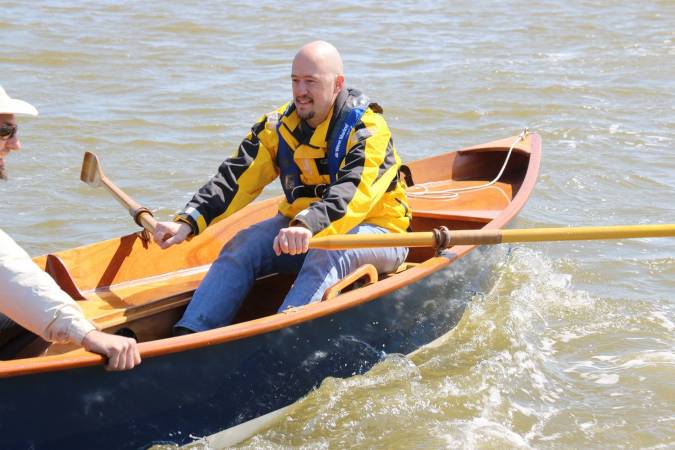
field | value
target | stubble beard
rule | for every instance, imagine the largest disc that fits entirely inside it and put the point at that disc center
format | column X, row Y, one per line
column 306, row 116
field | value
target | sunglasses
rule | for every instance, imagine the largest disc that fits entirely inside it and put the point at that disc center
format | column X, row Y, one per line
column 7, row 132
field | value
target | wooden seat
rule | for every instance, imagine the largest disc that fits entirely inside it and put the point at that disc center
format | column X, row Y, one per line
column 472, row 215
column 481, row 205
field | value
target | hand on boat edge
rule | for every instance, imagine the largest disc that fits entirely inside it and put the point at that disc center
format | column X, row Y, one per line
column 122, row 352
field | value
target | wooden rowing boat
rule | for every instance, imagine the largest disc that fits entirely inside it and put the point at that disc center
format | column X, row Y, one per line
column 60, row 397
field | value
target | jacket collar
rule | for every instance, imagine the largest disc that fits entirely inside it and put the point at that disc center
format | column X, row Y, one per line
column 322, row 131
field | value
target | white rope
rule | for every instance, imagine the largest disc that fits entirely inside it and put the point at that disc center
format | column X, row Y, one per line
column 423, row 190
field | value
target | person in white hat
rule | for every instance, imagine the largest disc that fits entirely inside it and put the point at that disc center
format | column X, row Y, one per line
column 8, row 127
column 28, row 295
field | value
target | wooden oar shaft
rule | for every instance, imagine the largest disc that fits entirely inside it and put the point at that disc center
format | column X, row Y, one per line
column 92, row 174
column 373, row 240
column 146, row 219
column 487, row 237
column 588, row 233
column 119, row 195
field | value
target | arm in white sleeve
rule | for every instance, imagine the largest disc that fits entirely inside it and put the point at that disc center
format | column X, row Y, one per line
column 31, row 298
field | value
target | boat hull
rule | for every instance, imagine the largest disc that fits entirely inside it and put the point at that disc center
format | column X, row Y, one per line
column 177, row 397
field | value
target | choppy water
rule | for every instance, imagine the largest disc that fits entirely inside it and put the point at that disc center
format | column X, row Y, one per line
column 571, row 346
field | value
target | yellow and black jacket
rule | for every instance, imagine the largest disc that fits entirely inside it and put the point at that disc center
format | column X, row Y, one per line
column 327, row 191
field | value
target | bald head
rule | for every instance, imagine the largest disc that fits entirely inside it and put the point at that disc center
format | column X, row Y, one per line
column 317, row 77
column 322, row 55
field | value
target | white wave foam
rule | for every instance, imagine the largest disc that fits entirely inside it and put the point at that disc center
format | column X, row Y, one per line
column 606, row 378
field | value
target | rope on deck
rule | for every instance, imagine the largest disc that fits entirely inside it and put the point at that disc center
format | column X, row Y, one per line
column 423, row 190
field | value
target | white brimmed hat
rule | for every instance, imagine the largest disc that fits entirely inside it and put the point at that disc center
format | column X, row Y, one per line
column 9, row 105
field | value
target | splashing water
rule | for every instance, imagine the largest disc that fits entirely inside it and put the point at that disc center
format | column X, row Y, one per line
column 533, row 363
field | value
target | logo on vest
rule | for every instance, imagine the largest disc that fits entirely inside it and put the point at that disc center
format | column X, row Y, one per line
column 344, row 130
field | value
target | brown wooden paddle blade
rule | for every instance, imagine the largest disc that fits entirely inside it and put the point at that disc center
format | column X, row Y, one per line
column 91, row 170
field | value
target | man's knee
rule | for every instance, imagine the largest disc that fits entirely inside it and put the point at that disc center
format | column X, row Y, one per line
column 324, row 259
column 256, row 238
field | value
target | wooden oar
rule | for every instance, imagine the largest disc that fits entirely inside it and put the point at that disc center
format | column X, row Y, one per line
column 482, row 237
column 92, row 174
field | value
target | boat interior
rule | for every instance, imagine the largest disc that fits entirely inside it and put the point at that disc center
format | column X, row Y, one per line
column 132, row 287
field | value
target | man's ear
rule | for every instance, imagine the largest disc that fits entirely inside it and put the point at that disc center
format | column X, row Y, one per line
column 339, row 83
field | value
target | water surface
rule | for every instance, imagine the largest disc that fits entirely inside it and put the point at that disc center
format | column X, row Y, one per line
column 572, row 345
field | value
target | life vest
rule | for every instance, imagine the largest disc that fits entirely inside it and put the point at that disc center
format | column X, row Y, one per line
column 348, row 117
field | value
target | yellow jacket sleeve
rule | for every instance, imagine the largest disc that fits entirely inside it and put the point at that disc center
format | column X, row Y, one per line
column 238, row 182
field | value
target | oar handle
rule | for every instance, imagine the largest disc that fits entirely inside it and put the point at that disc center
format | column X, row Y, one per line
column 344, row 241
column 487, row 237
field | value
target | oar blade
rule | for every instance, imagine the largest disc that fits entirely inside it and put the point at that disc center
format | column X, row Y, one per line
column 90, row 173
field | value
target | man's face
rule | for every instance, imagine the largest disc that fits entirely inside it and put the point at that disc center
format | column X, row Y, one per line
column 9, row 140
column 314, row 90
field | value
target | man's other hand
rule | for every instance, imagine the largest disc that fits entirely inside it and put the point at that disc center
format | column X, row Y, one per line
column 122, row 352
column 292, row 241
column 169, row 233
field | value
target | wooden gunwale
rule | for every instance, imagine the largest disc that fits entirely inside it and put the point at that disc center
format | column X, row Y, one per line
column 81, row 358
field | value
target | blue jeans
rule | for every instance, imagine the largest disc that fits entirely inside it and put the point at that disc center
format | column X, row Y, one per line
column 250, row 255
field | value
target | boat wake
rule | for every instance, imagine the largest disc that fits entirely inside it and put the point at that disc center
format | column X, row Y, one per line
column 533, row 363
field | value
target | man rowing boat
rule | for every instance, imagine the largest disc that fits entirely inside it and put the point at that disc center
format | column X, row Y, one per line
column 338, row 167
column 30, row 297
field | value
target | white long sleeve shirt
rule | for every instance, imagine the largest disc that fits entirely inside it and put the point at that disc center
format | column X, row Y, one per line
column 31, row 298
